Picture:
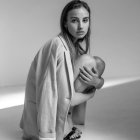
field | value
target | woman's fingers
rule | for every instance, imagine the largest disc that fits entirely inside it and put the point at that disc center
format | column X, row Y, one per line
column 83, row 78
column 91, row 72
column 88, row 76
column 85, row 75
column 88, row 71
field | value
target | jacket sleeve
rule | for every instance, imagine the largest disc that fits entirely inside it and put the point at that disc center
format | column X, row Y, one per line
column 46, row 95
column 57, row 67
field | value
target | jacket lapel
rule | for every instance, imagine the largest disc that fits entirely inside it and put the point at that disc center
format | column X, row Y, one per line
column 68, row 64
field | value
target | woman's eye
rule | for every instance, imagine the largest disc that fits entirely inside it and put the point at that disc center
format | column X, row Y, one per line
column 73, row 20
column 85, row 20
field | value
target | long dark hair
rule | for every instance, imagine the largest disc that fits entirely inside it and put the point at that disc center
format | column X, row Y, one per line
column 74, row 4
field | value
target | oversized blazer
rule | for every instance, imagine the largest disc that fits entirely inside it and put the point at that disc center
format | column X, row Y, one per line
column 48, row 93
column 49, row 89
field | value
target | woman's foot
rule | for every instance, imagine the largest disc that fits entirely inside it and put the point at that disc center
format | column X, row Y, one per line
column 77, row 133
column 74, row 134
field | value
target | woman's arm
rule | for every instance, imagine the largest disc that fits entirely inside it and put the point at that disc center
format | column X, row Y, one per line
column 79, row 97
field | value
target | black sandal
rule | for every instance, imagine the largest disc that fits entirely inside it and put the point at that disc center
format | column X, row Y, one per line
column 74, row 130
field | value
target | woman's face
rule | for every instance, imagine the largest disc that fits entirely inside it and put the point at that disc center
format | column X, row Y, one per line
column 78, row 22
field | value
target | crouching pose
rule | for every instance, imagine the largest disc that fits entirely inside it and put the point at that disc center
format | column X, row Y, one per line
column 50, row 91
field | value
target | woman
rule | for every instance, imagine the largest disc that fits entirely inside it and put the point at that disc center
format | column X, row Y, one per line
column 49, row 88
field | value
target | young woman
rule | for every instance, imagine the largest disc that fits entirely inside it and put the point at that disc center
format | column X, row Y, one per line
column 50, row 84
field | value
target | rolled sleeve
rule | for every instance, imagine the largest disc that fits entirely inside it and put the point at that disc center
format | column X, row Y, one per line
column 40, row 138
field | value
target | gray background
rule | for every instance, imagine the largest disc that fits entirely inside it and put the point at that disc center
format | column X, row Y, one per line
column 25, row 25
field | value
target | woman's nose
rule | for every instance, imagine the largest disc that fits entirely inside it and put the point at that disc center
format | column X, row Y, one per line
column 80, row 25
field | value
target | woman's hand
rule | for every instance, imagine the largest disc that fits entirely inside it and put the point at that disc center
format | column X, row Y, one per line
column 90, row 77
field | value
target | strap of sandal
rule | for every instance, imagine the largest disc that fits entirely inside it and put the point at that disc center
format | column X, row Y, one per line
column 74, row 130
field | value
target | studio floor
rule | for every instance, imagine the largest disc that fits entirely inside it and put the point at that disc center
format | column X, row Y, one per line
column 113, row 114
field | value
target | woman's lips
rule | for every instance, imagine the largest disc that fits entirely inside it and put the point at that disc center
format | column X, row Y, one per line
column 80, row 32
